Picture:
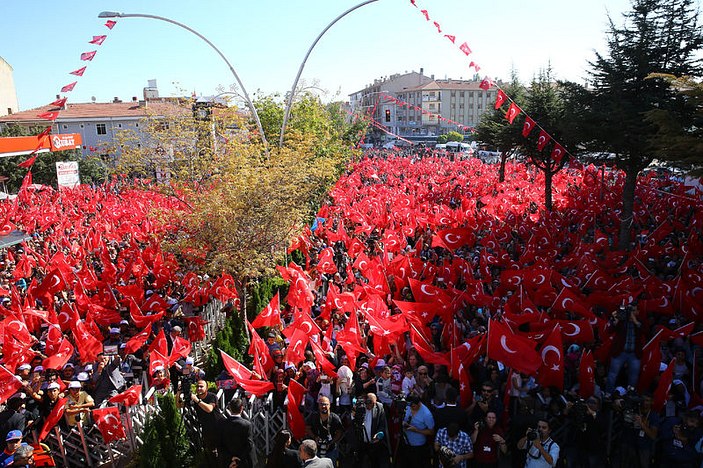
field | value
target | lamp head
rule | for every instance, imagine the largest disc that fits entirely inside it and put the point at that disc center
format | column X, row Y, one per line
column 110, row 14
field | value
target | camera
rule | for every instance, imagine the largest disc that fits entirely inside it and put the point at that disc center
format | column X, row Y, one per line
column 631, row 404
column 446, row 455
column 532, row 434
column 481, row 424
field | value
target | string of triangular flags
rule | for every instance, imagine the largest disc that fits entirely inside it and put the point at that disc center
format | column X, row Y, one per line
column 60, row 102
column 375, row 123
column 558, row 150
column 400, row 102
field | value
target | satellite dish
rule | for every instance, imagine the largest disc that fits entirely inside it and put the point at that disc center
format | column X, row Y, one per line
column 92, row 98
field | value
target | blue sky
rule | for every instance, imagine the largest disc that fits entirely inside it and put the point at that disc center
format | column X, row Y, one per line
column 266, row 40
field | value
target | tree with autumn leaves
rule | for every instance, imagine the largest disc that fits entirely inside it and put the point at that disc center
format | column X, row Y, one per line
column 245, row 202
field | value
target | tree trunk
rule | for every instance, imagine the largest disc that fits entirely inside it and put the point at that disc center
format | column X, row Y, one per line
column 628, row 200
column 501, row 171
column 548, row 190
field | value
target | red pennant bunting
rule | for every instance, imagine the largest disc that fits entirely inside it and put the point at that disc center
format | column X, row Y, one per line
column 87, row 56
column 486, row 84
column 528, row 126
column 58, row 103
column 465, row 48
column 27, row 163
column 513, row 112
column 110, row 24
column 500, row 99
column 98, row 40
column 542, row 140
column 451, row 38
column 425, row 14
column 557, row 153
column 69, row 87
column 436, row 25
column 53, row 115
column 46, row 132
column 79, row 72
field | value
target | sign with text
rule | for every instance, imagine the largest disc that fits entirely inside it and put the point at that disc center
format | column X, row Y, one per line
column 67, row 174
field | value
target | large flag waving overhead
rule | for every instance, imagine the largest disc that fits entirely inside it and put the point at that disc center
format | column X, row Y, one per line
column 512, row 350
column 242, row 376
column 271, row 315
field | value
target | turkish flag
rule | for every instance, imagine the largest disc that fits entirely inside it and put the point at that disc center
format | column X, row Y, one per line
column 78, row 72
column 527, row 126
column 29, row 162
column 57, row 361
column 661, row 394
column 651, row 362
column 325, row 262
column 576, row 331
column 242, row 376
column 224, row 290
column 452, row 239
column 542, row 140
column 513, row 112
column 425, row 14
column 323, row 363
column 466, row 353
column 98, row 40
column 512, row 350
column 465, row 48
column 9, row 384
column 53, row 115
column 196, row 330
column 160, row 343
column 181, row 349
column 587, row 383
column 53, row 418
column 296, row 346
column 137, row 341
column 156, row 359
column 500, row 99
column 466, row 396
column 155, row 303
column 424, row 349
column 88, row 346
column 271, row 315
column 69, row 87
column 296, row 422
column 557, row 153
column 451, row 38
column 263, row 363
column 486, row 84
column 87, row 56
column 109, row 24
column 129, row 397
column 551, row 372
column 109, row 422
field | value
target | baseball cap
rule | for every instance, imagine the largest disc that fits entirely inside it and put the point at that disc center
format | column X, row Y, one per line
column 14, row 435
column 39, row 369
column 24, row 367
column 53, row 385
column 189, row 360
column 115, row 330
column 74, row 384
column 82, row 377
column 365, row 365
column 124, row 322
column 380, row 363
column 310, row 364
column 88, row 367
column 68, row 365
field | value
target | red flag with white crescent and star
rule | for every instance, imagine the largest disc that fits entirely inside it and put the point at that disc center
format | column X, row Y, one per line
column 551, row 372
column 512, row 350
column 501, row 97
column 270, row 316
column 109, row 423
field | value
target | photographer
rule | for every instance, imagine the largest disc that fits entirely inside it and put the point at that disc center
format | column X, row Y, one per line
column 371, row 429
column 418, row 425
column 453, row 447
column 678, row 441
column 326, row 429
column 588, row 427
column 488, row 440
column 640, row 430
column 210, row 417
column 542, row 451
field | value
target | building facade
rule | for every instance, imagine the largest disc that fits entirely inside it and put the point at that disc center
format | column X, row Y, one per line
column 423, row 106
column 8, row 94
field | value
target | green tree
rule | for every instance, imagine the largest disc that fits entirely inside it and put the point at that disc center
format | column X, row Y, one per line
column 165, row 439
column 442, row 139
column 455, row 136
column 657, row 37
column 679, row 136
column 495, row 131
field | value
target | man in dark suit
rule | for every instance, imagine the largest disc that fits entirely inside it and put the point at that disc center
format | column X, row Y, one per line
column 237, row 438
column 372, row 431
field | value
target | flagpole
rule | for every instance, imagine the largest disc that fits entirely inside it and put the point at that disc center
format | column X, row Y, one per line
column 250, row 104
column 291, row 94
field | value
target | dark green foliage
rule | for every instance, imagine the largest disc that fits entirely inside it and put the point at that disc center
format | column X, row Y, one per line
column 232, row 339
column 262, row 293
column 455, row 136
column 166, row 443
column 442, row 139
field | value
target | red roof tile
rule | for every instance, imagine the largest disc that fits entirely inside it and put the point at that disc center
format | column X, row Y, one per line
column 94, row 111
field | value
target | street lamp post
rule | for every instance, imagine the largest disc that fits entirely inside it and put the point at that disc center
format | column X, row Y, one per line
column 250, row 104
column 289, row 104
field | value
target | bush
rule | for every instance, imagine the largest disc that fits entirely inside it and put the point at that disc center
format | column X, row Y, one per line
column 166, row 442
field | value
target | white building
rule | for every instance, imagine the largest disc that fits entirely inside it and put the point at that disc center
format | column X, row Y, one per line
column 8, row 95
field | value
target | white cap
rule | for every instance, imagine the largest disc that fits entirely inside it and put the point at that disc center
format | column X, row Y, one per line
column 24, row 367
column 380, row 363
column 310, row 364
column 82, row 377
column 158, row 368
column 189, row 360
column 53, row 385
column 88, row 367
column 74, row 384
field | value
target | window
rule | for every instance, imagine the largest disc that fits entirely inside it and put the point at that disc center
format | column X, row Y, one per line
column 453, row 94
column 119, row 125
column 82, row 125
column 65, row 126
column 461, row 94
column 101, row 129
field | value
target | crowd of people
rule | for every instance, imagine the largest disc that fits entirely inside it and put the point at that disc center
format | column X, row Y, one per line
column 435, row 316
